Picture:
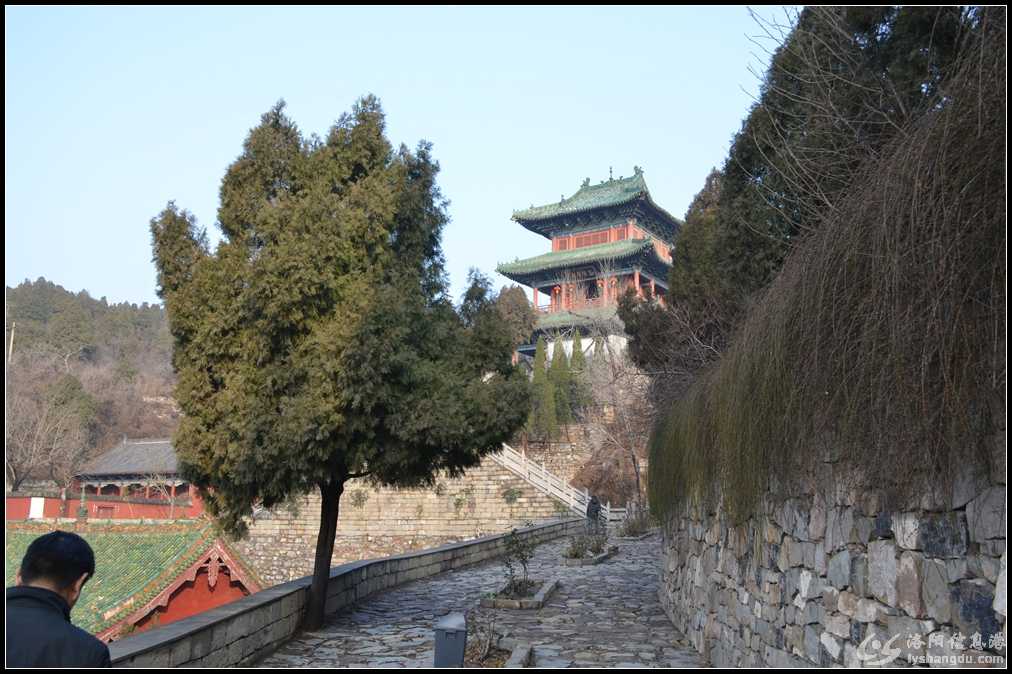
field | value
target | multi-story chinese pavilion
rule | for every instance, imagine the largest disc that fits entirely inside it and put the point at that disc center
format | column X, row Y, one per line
column 606, row 239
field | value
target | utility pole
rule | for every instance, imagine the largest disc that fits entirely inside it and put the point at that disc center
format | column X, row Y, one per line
column 10, row 351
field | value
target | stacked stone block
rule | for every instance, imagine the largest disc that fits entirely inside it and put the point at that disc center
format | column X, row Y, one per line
column 810, row 579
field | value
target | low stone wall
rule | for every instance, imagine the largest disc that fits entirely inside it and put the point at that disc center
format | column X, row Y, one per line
column 833, row 579
column 240, row 633
column 376, row 521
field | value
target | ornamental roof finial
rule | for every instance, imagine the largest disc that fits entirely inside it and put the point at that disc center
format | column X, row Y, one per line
column 637, row 170
column 609, row 174
column 585, row 183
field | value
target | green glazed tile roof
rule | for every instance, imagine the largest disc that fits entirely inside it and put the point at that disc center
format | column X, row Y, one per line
column 577, row 256
column 589, row 197
column 131, row 561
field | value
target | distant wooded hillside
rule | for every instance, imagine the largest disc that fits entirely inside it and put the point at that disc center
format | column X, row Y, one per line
column 90, row 330
column 81, row 374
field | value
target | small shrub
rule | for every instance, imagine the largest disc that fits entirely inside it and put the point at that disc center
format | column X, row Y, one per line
column 511, row 495
column 636, row 524
column 577, row 547
column 598, row 541
column 518, row 554
column 359, row 498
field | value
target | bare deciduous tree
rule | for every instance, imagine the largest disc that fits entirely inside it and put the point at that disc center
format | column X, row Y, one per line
column 42, row 435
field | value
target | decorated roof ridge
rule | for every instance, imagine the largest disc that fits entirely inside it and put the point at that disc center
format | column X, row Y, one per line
column 241, row 561
column 576, row 256
column 611, row 192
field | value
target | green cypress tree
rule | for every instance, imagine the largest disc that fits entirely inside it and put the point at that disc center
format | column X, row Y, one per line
column 561, row 383
column 578, row 363
column 544, row 422
column 579, row 390
column 316, row 344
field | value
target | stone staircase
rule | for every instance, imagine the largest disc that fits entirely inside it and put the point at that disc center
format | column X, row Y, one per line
column 548, row 483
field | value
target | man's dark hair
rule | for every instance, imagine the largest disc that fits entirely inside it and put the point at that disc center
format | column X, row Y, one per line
column 59, row 557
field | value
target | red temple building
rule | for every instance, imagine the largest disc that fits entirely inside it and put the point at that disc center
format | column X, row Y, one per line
column 136, row 479
column 606, row 239
column 146, row 574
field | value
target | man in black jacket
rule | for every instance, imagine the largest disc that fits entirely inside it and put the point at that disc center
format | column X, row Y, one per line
column 593, row 515
column 39, row 633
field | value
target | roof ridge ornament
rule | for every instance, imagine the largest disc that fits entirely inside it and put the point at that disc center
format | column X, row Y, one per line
column 585, row 183
column 637, row 170
column 610, row 177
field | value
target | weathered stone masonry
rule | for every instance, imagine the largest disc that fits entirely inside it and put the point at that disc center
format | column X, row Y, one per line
column 807, row 582
column 378, row 521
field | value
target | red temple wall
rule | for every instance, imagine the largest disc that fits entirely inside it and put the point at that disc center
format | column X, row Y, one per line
column 18, row 509
column 194, row 597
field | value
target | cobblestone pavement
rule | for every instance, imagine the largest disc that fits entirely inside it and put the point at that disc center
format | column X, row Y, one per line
column 603, row 615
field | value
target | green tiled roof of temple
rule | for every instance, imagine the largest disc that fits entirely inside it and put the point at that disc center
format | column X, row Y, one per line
column 133, row 563
column 577, row 256
column 605, row 195
column 608, row 193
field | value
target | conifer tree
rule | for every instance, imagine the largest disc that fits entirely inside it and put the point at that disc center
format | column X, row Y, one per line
column 316, row 343
column 543, row 395
column 579, row 394
column 561, row 383
column 578, row 363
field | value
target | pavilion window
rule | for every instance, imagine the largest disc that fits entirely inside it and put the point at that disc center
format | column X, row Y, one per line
column 592, row 239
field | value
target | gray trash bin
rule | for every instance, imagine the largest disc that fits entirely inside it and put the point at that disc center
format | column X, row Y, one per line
column 451, row 638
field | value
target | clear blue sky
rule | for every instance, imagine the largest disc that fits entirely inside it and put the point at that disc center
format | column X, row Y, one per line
column 111, row 112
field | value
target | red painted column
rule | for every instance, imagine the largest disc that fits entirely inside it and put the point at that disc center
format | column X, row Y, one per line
column 653, row 288
column 534, row 297
column 636, row 283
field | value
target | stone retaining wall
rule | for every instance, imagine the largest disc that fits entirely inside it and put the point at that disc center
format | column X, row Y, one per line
column 831, row 580
column 377, row 521
column 569, row 453
column 241, row 633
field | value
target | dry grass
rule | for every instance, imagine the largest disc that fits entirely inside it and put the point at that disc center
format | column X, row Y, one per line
column 882, row 340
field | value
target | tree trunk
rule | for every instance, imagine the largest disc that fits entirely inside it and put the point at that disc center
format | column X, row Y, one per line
column 329, row 508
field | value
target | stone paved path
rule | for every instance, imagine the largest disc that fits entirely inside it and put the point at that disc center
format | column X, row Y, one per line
column 604, row 615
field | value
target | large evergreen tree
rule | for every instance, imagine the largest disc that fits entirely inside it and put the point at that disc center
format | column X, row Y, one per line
column 544, row 422
column 562, row 382
column 579, row 380
column 316, row 344
column 844, row 83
